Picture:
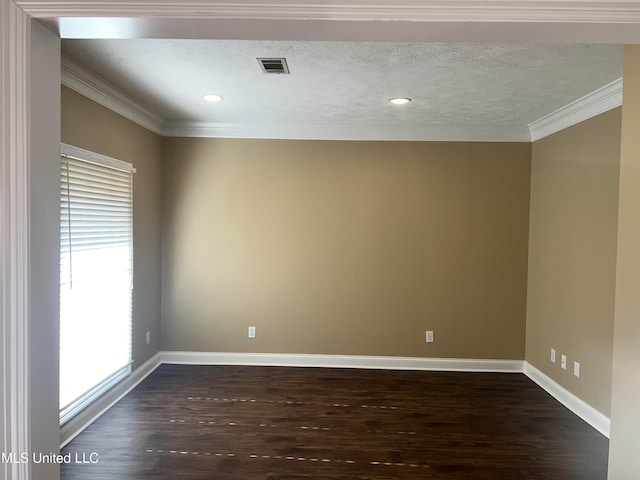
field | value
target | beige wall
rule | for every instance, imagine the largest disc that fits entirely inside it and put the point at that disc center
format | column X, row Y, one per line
column 624, row 461
column 572, row 252
column 346, row 247
column 87, row 125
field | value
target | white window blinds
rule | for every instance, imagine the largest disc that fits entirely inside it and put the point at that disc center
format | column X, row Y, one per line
column 96, row 223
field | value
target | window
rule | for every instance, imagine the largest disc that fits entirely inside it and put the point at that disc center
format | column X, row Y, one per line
column 96, row 224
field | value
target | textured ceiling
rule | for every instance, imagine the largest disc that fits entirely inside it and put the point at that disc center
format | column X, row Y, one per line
column 349, row 83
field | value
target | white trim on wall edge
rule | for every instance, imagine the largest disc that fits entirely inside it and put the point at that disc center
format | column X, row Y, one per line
column 586, row 412
column 77, row 77
column 351, row 131
column 431, row 11
column 16, row 367
column 343, row 361
column 91, row 85
column 77, row 424
column 599, row 101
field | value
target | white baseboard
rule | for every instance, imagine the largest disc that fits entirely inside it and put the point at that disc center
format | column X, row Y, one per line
column 77, row 424
column 343, row 361
column 593, row 417
column 585, row 411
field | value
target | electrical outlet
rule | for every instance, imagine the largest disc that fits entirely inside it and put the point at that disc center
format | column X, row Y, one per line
column 576, row 369
column 252, row 332
column 563, row 362
column 430, row 338
column 148, row 338
column 553, row 355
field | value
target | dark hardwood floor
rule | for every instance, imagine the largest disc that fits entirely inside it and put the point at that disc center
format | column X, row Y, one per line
column 277, row 423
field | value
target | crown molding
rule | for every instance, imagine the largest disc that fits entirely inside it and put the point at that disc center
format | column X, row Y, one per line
column 87, row 83
column 601, row 11
column 92, row 86
column 340, row 131
column 599, row 101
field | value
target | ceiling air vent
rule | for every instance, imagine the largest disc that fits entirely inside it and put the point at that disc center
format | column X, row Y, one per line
column 273, row 65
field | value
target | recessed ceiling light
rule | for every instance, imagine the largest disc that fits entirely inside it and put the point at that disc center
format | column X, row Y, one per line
column 212, row 98
column 400, row 101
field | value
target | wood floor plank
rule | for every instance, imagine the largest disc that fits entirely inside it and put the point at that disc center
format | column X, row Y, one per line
column 283, row 423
